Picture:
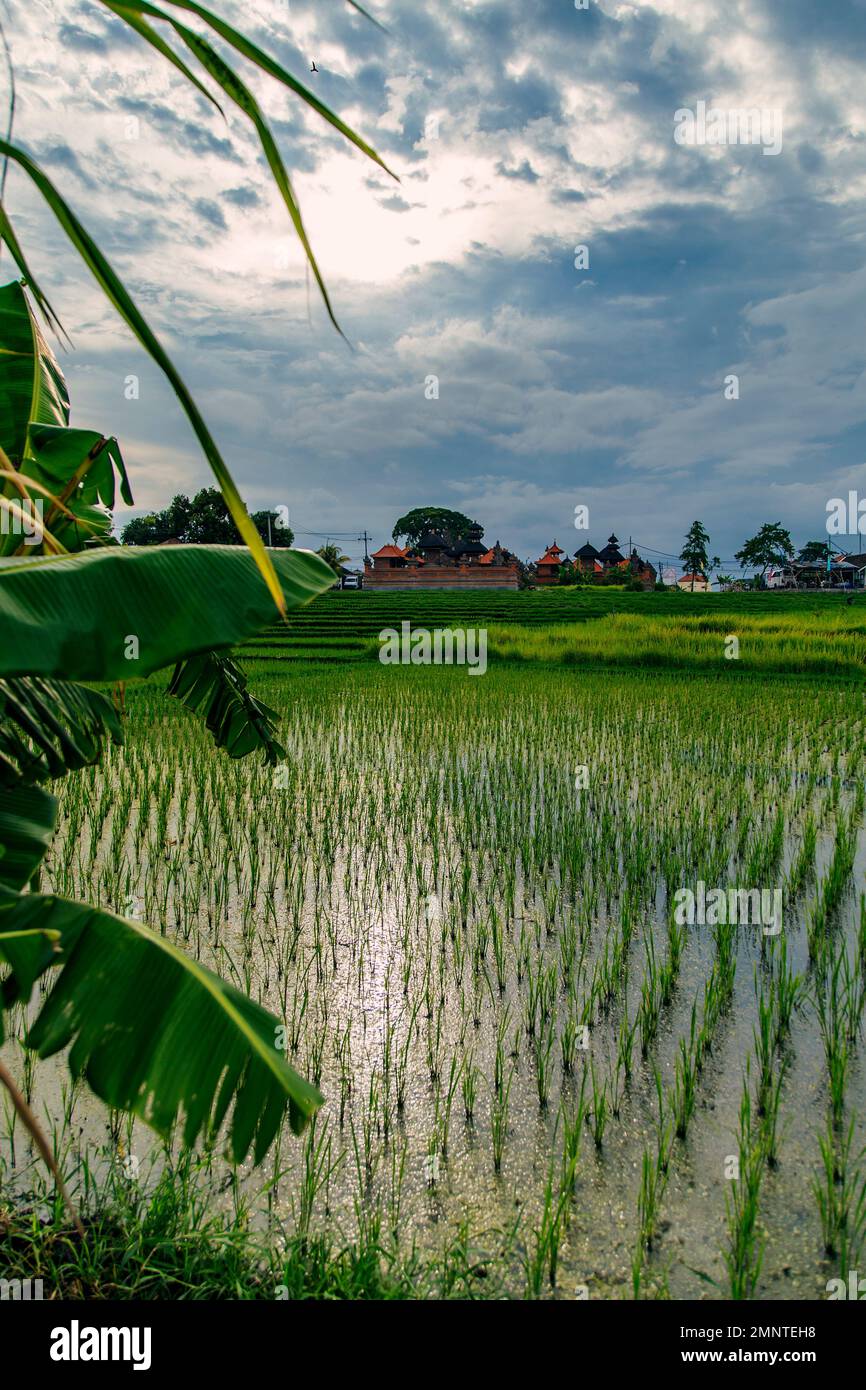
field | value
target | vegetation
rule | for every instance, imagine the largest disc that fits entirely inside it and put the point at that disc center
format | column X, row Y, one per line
column 771, row 546
column 460, row 946
column 790, row 633
column 204, row 520
column 694, row 555
column 453, row 526
column 150, row 1029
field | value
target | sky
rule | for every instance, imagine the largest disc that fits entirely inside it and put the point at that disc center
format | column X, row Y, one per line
column 519, row 132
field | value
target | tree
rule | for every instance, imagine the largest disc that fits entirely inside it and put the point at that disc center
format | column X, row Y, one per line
column 454, row 526
column 205, row 520
column 771, row 546
column 331, row 555
column 694, row 552
column 814, row 550
column 133, row 1006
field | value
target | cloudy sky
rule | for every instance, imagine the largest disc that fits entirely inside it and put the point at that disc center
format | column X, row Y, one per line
column 519, row 130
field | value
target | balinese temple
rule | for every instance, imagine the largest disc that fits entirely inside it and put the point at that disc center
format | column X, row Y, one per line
column 611, row 554
column 595, row 564
column 547, row 568
column 434, row 563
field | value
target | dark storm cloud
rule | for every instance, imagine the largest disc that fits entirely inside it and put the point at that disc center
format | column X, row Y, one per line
column 559, row 127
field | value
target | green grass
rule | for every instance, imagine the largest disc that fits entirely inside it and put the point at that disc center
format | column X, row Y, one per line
column 168, row 1243
column 815, row 634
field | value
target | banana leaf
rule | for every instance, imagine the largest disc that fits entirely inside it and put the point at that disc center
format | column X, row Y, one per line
column 32, row 387
column 239, row 723
column 111, row 614
column 151, row 1030
column 49, row 728
column 27, row 819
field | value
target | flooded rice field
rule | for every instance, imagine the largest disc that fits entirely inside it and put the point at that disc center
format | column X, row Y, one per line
column 576, row 959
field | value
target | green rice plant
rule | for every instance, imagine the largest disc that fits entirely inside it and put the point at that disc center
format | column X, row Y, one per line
column 746, row 1241
column 685, row 1081
column 543, row 1053
column 654, row 1179
column 840, row 1195
column 318, row 1168
column 469, row 1086
column 803, row 866
column 834, row 1034
column 597, row 1113
column 568, row 1040
column 499, row 1121
column 542, row 1257
column 572, row 1118
column 665, row 1126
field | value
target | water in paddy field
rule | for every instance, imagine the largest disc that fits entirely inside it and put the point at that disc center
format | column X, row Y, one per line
column 458, row 895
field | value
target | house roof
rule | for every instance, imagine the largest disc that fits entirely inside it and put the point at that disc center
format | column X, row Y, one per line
column 586, row 552
column 551, row 555
column 389, row 552
column 698, row 578
column 432, row 541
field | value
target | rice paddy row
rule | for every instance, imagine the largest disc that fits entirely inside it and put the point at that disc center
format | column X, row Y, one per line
column 789, row 633
column 459, row 899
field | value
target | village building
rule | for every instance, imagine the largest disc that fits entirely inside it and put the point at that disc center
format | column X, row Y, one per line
column 434, row 563
column 595, row 564
column 547, row 568
column 694, row 583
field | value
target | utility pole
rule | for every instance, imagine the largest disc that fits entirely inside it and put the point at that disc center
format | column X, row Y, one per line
column 366, row 539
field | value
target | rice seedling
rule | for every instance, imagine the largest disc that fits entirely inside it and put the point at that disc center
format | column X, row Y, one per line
column 840, row 1194
column 653, row 1182
column 438, row 920
column 746, row 1241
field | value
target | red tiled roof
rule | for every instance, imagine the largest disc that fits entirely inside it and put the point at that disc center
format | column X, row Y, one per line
column 389, row 552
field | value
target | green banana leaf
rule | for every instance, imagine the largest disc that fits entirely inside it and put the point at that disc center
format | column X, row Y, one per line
column 239, row 723
column 115, row 613
column 54, row 455
column 49, row 728
column 27, row 819
column 32, row 387
column 119, row 296
column 151, row 1030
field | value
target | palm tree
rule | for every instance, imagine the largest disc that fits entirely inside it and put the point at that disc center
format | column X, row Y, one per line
column 331, row 555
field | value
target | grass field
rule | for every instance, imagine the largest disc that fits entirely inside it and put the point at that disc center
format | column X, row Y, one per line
column 816, row 633
column 459, row 898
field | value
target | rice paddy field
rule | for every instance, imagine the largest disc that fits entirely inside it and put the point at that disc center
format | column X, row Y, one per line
column 460, row 898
